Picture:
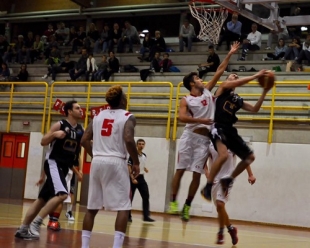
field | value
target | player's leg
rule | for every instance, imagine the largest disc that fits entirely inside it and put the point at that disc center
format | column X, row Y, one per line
column 70, row 199
column 88, row 224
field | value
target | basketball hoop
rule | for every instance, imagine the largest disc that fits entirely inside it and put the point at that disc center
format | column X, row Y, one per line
column 210, row 18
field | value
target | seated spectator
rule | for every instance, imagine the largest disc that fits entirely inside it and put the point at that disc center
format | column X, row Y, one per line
column 305, row 52
column 154, row 67
column 91, row 66
column 146, row 46
column 64, row 67
column 72, row 35
column 212, row 64
column 102, row 69
column 80, row 66
column 37, row 49
column 279, row 32
column 3, row 45
column 295, row 31
column 113, row 67
column 78, row 41
column 22, row 76
column 293, row 49
column 187, row 34
column 4, row 74
column 115, row 35
column 52, row 43
column 253, row 42
column 62, row 33
column 279, row 51
column 92, row 36
column 130, row 36
column 232, row 32
column 50, row 31
column 54, row 57
column 24, row 55
column 165, row 64
column 102, row 44
column 18, row 47
column 159, row 45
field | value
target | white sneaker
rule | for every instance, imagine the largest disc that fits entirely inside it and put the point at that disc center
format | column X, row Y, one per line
column 35, row 227
column 45, row 76
column 25, row 234
column 69, row 216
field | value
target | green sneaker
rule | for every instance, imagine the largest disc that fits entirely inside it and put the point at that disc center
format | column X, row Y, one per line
column 185, row 212
column 174, row 207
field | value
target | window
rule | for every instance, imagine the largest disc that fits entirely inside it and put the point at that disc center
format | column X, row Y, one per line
column 20, row 151
column 7, row 150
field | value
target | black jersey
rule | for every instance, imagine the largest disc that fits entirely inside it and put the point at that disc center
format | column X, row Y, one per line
column 227, row 104
column 66, row 151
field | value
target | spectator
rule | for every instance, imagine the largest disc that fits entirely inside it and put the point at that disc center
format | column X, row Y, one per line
column 37, row 49
column 279, row 51
column 116, row 35
column 293, row 49
column 113, row 67
column 91, row 66
column 232, row 32
column 49, row 32
column 24, row 55
column 212, row 64
column 77, row 42
column 130, row 36
column 80, row 66
column 52, row 43
column 279, row 32
column 295, row 31
column 72, row 35
column 64, row 67
column 305, row 52
column 3, row 45
column 102, row 44
column 29, row 40
column 146, row 46
column 154, row 67
column 23, row 74
column 253, row 42
column 62, row 33
column 4, row 74
column 18, row 47
column 54, row 57
column 165, row 64
column 159, row 45
column 187, row 34
column 102, row 69
column 92, row 34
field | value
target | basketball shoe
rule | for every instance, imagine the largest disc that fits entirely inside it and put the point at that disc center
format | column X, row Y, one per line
column 69, row 216
column 220, row 238
column 233, row 234
column 53, row 225
column 174, row 207
column 185, row 212
column 24, row 233
column 35, row 227
column 206, row 192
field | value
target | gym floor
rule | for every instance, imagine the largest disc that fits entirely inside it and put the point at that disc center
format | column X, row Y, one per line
column 168, row 231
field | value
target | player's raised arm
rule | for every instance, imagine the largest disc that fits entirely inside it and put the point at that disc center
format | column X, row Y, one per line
column 255, row 108
column 220, row 70
column 87, row 138
column 51, row 134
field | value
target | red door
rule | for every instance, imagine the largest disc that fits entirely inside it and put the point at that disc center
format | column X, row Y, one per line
column 13, row 165
column 85, row 183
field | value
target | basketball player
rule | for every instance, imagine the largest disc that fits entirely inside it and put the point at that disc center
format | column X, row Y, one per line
column 112, row 132
column 220, row 198
column 225, row 135
column 64, row 138
column 197, row 111
column 141, row 184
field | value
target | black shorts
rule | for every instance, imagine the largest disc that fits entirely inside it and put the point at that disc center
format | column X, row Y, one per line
column 55, row 182
column 230, row 137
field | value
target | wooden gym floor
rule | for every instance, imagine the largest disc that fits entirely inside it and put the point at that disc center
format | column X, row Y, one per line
column 167, row 232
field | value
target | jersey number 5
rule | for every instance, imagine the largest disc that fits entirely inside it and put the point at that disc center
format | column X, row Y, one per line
column 107, row 127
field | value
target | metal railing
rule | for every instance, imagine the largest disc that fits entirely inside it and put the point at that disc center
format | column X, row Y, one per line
column 24, row 102
column 92, row 94
column 273, row 104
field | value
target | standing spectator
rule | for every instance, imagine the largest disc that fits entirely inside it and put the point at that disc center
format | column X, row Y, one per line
column 253, row 42
column 130, row 36
column 102, row 44
column 145, row 47
column 113, row 67
column 116, row 35
column 23, row 74
column 78, row 41
column 159, row 45
column 293, row 49
column 37, row 49
column 279, row 32
column 141, row 184
column 102, row 69
column 187, row 34
column 62, row 33
column 3, row 45
column 305, row 52
column 295, row 31
column 64, row 67
column 279, row 51
column 165, row 64
column 91, row 66
column 80, row 66
column 154, row 67
column 212, row 64
column 232, row 32
column 50, row 31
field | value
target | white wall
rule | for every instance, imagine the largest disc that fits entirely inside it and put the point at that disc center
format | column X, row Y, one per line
column 34, row 165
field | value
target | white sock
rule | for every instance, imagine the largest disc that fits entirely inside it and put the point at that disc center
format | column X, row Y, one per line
column 38, row 219
column 69, row 207
column 118, row 239
column 22, row 226
column 85, row 238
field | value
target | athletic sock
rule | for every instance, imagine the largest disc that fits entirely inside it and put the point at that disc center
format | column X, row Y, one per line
column 38, row 219
column 22, row 226
column 221, row 231
column 85, row 238
column 189, row 200
column 54, row 216
column 69, row 207
column 118, row 239
column 174, row 197
column 230, row 227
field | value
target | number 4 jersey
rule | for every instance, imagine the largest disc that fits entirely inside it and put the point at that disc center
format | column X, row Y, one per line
column 66, row 151
column 108, row 133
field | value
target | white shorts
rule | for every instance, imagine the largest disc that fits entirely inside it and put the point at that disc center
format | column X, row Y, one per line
column 193, row 152
column 109, row 184
column 218, row 194
column 68, row 181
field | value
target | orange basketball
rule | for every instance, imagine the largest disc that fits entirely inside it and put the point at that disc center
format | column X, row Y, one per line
column 267, row 81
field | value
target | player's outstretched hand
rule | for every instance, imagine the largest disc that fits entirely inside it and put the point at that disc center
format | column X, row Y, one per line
column 135, row 170
column 252, row 179
column 206, row 121
column 261, row 73
column 59, row 134
column 234, row 47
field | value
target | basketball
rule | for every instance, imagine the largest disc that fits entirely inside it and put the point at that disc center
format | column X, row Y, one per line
column 267, row 81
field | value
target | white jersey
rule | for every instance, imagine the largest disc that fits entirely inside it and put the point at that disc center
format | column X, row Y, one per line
column 227, row 168
column 200, row 107
column 108, row 131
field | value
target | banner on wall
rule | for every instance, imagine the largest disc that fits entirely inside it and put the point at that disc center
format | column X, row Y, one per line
column 96, row 110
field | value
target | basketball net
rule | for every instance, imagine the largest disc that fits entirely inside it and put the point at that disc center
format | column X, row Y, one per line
column 210, row 19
